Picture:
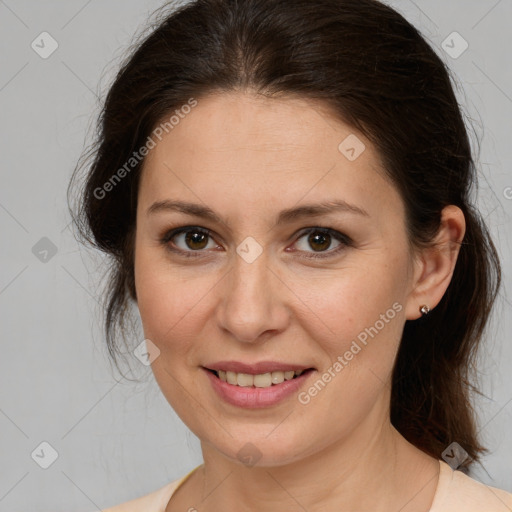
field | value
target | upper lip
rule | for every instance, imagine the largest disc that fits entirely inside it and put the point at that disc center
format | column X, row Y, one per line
column 255, row 368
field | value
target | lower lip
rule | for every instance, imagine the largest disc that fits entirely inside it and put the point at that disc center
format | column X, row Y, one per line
column 256, row 398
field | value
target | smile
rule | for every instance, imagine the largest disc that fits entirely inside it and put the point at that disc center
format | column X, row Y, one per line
column 255, row 391
column 262, row 380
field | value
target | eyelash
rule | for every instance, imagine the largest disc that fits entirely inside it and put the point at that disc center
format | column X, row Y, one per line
column 344, row 240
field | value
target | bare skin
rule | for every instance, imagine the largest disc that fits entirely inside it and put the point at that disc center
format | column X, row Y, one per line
column 248, row 158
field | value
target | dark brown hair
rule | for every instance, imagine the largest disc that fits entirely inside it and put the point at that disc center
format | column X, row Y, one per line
column 378, row 74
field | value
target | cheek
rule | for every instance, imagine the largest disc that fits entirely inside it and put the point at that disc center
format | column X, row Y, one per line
column 358, row 303
column 168, row 303
column 357, row 319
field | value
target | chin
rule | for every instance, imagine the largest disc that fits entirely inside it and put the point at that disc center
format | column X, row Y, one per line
column 260, row 450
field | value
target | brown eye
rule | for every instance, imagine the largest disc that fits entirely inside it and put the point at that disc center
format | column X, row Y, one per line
column 196, row 240
column 319, row 241
column 324, row 242
column 188, row 240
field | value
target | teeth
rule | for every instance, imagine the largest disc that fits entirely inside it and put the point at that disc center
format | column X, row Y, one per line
column 244, row 380
column 262, row 380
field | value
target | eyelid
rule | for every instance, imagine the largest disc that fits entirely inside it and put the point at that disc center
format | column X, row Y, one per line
column 321, row 229
column 166, row 238
column 345, row 241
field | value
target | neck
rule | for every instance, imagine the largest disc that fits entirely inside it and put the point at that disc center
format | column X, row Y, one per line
column 371, row 469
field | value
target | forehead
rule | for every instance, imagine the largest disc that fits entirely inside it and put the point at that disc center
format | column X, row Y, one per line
column 229, row 122
column 263, row 149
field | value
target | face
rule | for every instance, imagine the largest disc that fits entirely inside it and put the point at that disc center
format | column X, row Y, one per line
column 288, row 249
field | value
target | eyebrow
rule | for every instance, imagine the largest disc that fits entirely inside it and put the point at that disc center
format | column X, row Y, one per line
column 285, row 216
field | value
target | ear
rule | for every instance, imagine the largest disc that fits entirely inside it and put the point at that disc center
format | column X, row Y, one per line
column 433, row 266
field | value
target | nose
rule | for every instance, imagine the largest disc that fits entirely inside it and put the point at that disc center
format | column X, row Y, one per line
column 253, row 303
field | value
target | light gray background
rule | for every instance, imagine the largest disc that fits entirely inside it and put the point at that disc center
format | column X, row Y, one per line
column 116, row 439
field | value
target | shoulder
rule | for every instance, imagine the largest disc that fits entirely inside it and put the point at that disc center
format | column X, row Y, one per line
column 457, row 491
column 155, row 501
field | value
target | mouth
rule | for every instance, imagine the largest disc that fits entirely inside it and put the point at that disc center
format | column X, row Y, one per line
column 261, row 380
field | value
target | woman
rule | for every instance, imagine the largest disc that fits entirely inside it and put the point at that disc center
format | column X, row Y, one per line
column 284, row 189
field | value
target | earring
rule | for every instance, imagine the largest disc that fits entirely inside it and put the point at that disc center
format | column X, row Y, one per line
column 424, row 310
